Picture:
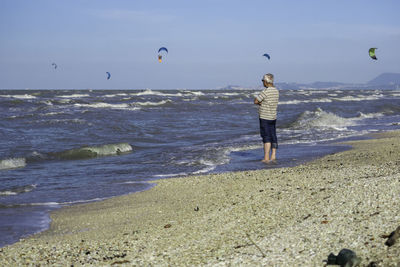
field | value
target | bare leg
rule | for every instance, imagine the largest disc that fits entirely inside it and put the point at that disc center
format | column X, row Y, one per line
column 273, row 154
column 267, row 149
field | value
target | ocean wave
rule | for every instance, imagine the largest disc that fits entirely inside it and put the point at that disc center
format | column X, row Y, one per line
column 369, row 115
column 115, row 95
column 46, row 102
column 151, row 92
column 190, row 99
column 64, row 121
column 17, row 190
column 52, row 113
column 358, row 98
column 321, row 119
column 51, row 204
column 64, row 101
column 107, row 105
column 93, row 151
column 205, row 170
column 12, row 163
column 196, row 93
column 331, row 99
column 317, row 100
column 148, row 103
column 169, row 175
column 25, row 96
column 74, row 96
column 318, row 91
column 24, row 116
column 229, row 94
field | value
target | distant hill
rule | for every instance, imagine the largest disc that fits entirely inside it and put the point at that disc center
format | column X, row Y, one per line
column 232, row 87
column 383, row 81
column 326, row 84
column 386, row 79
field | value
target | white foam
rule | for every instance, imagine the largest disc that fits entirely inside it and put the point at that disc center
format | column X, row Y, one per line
column 359, row 98
column 190, row 99
column 331, row 99
column 56, row 204
column 151, row 92
column 107, row 105
column 25, row 96
column 153, row 103
column 317, row 100
column 18, row 190
column 205, row 170
column 115, row 95
column 322, row 119
column 196, row 93
column 369, row 115
column 12, row 163
column 170, row 175
column 74, row 96
column 52, row 113
column 318, row 91
column 7, row 193
column 228, row 94
column 111, row 149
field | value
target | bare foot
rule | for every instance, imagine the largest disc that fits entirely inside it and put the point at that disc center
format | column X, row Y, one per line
column 265, row 161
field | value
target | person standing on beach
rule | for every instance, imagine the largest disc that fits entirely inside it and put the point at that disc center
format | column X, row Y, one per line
column 267, row 101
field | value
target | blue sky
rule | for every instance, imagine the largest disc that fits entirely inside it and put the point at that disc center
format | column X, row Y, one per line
column 211, row 43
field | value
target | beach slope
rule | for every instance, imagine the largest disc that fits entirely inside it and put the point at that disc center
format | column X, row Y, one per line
column 278, row 217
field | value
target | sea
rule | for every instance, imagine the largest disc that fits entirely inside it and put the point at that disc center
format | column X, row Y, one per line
column 65, row 147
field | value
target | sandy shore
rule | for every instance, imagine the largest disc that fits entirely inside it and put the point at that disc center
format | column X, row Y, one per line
column 278, row 217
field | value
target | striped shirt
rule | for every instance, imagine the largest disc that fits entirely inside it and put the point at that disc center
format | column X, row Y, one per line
column 268, row 98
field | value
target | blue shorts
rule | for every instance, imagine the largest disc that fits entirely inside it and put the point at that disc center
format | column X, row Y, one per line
column 268, row 132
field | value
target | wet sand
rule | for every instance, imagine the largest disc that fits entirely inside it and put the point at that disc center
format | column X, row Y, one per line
column 278, row 217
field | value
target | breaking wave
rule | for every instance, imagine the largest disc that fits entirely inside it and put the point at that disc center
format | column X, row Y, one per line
column 17, row 190
column 148, row 103
column 332, row 99
column 74, row 96
column 321, row 119
column 115, row 95
column 107, row 105
column 25, row 96
column 359, row 98
column 12, row 163
column 151, row 92
column 93, row 151
column 317, row 100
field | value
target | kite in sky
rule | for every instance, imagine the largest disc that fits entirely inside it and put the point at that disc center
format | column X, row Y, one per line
column 161, row 51
column 267, row 56
column 372, row 53
column 108, row 75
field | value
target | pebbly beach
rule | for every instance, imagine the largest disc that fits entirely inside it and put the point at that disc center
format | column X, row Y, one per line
column 292, row 216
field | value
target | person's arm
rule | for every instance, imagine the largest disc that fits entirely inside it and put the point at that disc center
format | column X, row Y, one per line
column 256, row 101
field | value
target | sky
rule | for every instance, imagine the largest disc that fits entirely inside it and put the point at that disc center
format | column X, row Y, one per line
column 211, row 43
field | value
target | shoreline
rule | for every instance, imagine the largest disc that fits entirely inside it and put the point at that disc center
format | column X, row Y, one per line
column 243, row 160
column 275, row 217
